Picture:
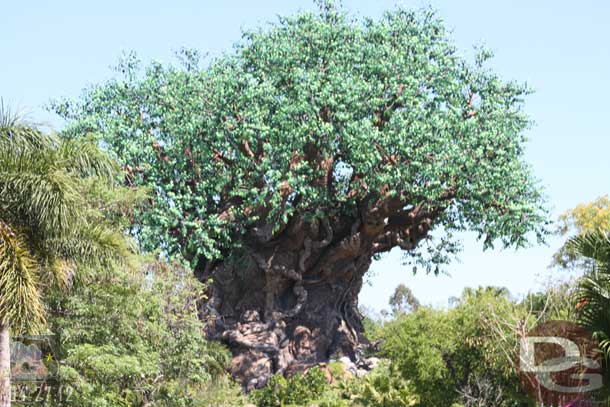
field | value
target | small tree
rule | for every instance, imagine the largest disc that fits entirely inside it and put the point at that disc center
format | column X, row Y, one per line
column 585, row 218
column 283, row 169
column 403, row 300
column 47, row 224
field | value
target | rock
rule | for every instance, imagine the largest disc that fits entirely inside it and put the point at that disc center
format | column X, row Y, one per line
column 349, row 365
column 252, row 364
column 372, row 363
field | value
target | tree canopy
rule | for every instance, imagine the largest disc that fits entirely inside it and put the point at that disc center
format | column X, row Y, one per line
column 584, row 219
column 320, row 115
column 403, row 300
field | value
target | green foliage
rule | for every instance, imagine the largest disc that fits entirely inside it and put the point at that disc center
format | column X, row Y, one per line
column 443, row 352
column 338, row 371
column 586, row 218
column 403, row 300
column 50, row 221
column 593, row 294
column 298, row 390
column 222, row 392
column 319, row 115
column 382, row 387
column 371, row 322
column 134, row 339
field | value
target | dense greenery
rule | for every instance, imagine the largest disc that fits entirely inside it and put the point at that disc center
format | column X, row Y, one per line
column 135, row 339
column 300, row 389
column 452, row 355
column 594, row 288
column 52, row 192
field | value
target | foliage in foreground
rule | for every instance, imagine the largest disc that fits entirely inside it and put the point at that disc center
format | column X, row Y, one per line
column 467, row 354
column 380, row 388
column 300, row 389
column 464, row 356
column 50, row 217
column 134, row 339
column 593, row 290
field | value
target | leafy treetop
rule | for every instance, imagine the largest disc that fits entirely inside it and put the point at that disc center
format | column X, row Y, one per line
column 322, row 116
column 588, row 218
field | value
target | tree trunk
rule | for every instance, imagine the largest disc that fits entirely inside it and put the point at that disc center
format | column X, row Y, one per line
column 288, row 302
column 5, row 367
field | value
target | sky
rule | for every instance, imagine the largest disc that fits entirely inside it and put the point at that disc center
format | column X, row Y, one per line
column 51, row 49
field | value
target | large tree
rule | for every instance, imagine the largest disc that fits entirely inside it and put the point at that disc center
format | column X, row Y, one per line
column 282, row 169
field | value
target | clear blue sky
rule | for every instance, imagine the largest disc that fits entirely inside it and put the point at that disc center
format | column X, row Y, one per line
column 561, row 48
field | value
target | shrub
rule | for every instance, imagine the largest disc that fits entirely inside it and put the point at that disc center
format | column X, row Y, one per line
column 383, row 387
column 301, row 388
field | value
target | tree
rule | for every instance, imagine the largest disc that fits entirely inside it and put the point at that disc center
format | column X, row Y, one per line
column 280, row 171
column 403, row 300
column 585, row 218
column 593, row 292
column 47, row 224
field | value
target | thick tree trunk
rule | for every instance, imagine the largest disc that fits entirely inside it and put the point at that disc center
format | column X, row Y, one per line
column 5, row 367
column 287, row 302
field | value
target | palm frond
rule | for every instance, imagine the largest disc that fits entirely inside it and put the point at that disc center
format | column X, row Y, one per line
column 87, row 160
column 54, row 193
column 20, row 303
column 48, row 202
column 594, row 246
column 17, row 133
column 58, row 272
column 9, row 116
column 593, row 292
column 92, row 245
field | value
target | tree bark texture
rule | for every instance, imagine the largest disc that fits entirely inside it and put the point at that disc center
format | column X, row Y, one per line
column 289, row 300
column 5, row 367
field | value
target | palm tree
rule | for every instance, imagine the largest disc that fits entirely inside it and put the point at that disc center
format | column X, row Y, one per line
column 593, row 294
column 593, row 291
column 50, row 223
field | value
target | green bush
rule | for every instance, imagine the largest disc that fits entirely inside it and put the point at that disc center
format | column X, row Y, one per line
column 383, row 387
column 442, row 352
column 301, row 388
